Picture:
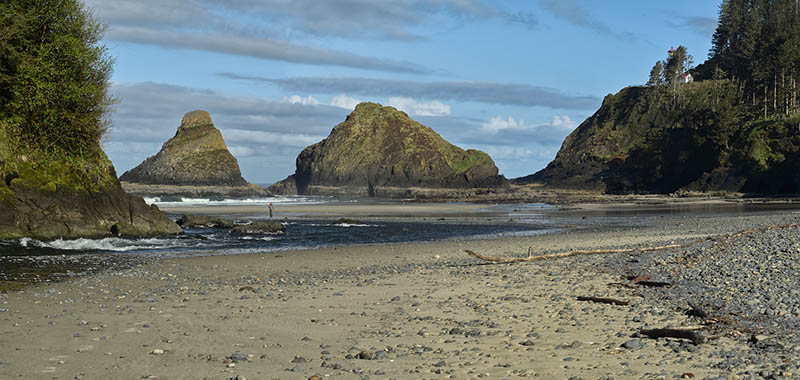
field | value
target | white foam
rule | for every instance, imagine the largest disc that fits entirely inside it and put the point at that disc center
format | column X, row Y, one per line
column 106, row 244
column 264, row 238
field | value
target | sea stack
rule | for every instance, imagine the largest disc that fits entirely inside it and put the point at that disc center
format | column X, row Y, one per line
column 379, row 147
column 196, row 156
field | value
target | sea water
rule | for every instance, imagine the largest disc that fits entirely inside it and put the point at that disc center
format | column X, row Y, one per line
column 32, row 260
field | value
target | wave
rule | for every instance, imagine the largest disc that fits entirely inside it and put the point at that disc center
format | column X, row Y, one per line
column 106, row 244
column 264, row 238
column 344, row 225
column 347, row 225
column 186, row 201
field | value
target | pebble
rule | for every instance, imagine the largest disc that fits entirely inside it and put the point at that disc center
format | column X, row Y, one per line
column 299, row 359
column 238, row 357
column 633, row 344
column 365, row 355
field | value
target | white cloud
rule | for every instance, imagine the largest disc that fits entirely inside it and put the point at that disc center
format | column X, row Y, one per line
column 559, row 124
column 497, row 124
column 241, row 151
column 513, row 94
column 344, row 101
column 309, row 100
column 564, row 122
column 242, row 136
column 413, row 107
column 509, row 153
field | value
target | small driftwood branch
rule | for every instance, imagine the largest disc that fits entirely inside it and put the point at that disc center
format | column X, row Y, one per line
column 691, row 335
column 697, row 311
column 603, row 300
column 654, row 284
column 498, row 259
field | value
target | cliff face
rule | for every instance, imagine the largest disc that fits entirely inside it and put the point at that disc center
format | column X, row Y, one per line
column 378, row 147
column 48, row 199
column 660, row 140
column 196, row 155
column 588, row 153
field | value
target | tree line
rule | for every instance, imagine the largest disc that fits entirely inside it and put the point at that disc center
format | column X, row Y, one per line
column 757, row 46
column 54, row 77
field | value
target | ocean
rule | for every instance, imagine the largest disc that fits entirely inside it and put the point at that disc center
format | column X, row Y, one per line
column 28, row 260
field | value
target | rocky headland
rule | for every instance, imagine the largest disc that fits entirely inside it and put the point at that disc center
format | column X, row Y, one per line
column 195, row 161
column 55, row 179
column 380, row 151
column 46, row 200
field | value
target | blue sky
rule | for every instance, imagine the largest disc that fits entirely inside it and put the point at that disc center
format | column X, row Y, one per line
column 512, row 78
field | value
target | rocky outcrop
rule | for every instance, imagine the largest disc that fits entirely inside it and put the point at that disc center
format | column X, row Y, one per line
column 380, row 147
column 697, row 137
column 259, row 228
column 203, row 221
column 196, row 155
column 39, row 203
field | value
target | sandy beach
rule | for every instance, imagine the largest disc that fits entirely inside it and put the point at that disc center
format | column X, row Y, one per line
column 399, row 311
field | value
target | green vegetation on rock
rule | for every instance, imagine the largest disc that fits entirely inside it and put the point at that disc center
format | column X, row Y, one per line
column 54, row 76
column 649, row 139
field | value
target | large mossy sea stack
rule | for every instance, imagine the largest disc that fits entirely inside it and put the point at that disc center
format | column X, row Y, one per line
column 377, row 147
column 195, row 156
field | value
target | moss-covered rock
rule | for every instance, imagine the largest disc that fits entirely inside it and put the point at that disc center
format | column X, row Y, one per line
column 196, row 155
column 379, row 146
column 255, row 228
column 48, row 199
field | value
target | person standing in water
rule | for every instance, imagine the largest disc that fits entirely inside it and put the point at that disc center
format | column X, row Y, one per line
column 270, row 210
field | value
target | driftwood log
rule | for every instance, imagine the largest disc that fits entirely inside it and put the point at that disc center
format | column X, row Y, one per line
column 603, row 300
column 680, row 333
column 498, row 259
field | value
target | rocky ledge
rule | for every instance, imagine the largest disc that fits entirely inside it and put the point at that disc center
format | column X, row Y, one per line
column 47, row 211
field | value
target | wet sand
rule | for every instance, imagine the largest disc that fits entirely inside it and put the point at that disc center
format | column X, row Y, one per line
column 334, row 210
column 399, row 311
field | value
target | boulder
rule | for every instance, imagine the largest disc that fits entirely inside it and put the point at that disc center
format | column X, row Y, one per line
column 259, row 228
column 202, row 221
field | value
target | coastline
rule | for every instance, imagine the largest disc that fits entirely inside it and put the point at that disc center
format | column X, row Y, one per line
column 418, row 309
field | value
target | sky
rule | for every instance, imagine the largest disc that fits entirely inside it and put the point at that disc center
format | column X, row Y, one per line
column 512, row 78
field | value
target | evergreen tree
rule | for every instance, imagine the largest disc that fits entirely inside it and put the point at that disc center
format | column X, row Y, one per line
column 54, row 77
column 676, row 64
column 656, row 75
